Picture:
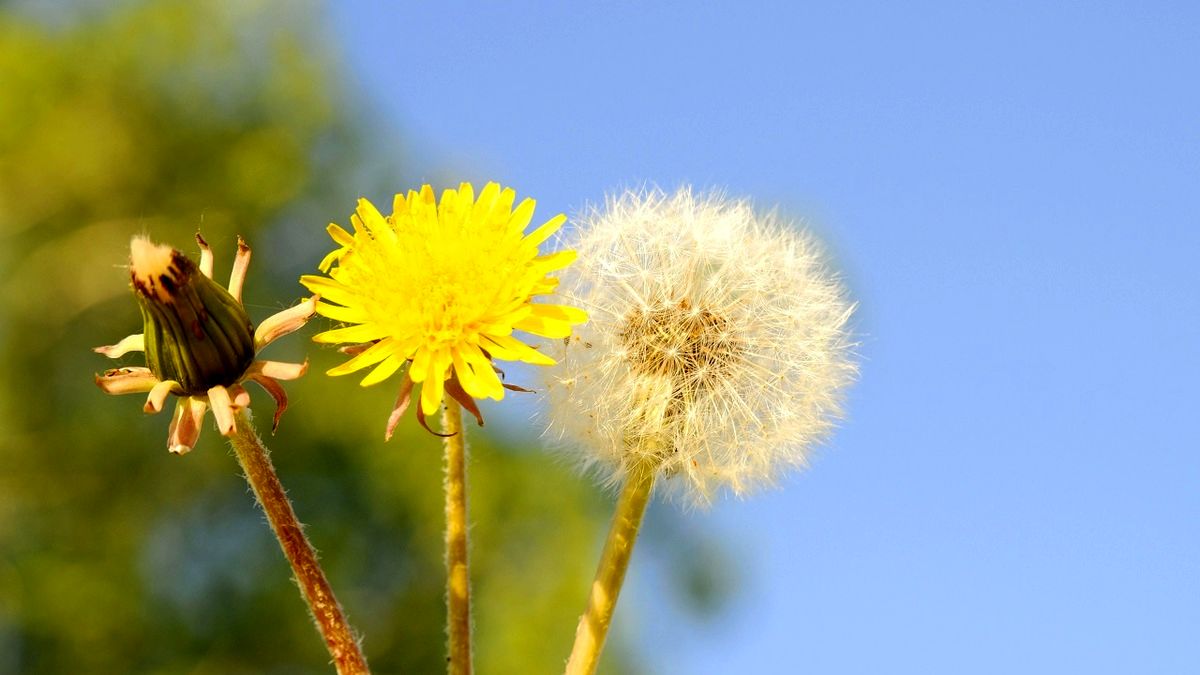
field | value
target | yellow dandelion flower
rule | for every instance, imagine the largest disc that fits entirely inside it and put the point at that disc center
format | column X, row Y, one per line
column 441, row 285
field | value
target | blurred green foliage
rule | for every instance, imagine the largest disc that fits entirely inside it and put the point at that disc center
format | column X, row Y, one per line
column 116, row 557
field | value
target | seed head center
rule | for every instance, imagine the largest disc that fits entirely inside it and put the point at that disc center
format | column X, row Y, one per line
column 690, row 345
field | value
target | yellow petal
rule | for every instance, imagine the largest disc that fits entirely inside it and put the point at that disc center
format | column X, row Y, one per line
column 549, row 328
column 554, row 261
column 483, row 205
column 427, row 195
column 543, row 232
column 399, row 206
column 572, row 315
column 440, row 363
column 484, row 372
column 356, row 314
column 466, row 194
column 329, row 289
column 432, row 388
column 384, row 370
column 374, row 221
column 368, row 214
column 511, row 349
column 367, row 332
column 544, row 286
column 339, row 235
column 503, row 206
column 420, row 364
column 331, row 257
column 466, row 377
column 503, row 324
column 368, row 357
column 521, row 215
column 448, row 204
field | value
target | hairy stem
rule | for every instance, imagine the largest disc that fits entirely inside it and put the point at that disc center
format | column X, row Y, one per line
column 622, row 535
column 326, row 611
column 458, row 578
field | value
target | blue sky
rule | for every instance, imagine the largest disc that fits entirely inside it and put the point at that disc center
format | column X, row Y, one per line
column 1013, row 193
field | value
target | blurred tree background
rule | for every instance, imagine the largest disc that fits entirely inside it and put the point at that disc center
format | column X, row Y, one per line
column 115, row 557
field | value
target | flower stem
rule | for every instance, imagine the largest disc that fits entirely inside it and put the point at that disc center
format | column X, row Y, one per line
column 260, row 473
column 458, row 579
column 622, row 535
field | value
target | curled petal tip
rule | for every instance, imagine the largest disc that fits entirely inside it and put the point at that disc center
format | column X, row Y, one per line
column 279, row 370
column 285, row 322
column 241, row 262
column 158, row 396
column 133, row 343
column 355, row 350
column 126, row 381
column 179, row 449
column 206, row 256
column 277, row 392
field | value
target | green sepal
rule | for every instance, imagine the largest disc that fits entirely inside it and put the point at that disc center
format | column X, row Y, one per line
column 200, row 337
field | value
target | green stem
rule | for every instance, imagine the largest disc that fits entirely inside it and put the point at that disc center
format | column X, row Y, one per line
column 339, row 638
column 610, row 575
column 458, row 578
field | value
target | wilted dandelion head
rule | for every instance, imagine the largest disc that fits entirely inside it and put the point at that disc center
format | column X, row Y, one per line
column 716, row 352
column 198, row 341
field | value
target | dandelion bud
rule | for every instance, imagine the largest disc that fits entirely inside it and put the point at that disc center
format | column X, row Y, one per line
column 196, row 333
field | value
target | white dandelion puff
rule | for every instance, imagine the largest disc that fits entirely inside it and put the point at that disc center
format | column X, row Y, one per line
column 717, row 352
column 715, row 357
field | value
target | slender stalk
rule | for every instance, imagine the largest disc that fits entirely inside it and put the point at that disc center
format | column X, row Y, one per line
column 326, row 611
column 458, row 578
column 622, row 535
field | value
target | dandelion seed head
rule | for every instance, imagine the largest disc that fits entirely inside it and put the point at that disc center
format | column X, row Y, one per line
column 716, row 349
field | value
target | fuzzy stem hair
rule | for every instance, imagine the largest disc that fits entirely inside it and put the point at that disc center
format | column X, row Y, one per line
column 458, row 578
column 326, row 612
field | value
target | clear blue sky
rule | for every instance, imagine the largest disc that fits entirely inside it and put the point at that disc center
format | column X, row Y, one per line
column 1013, row 191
